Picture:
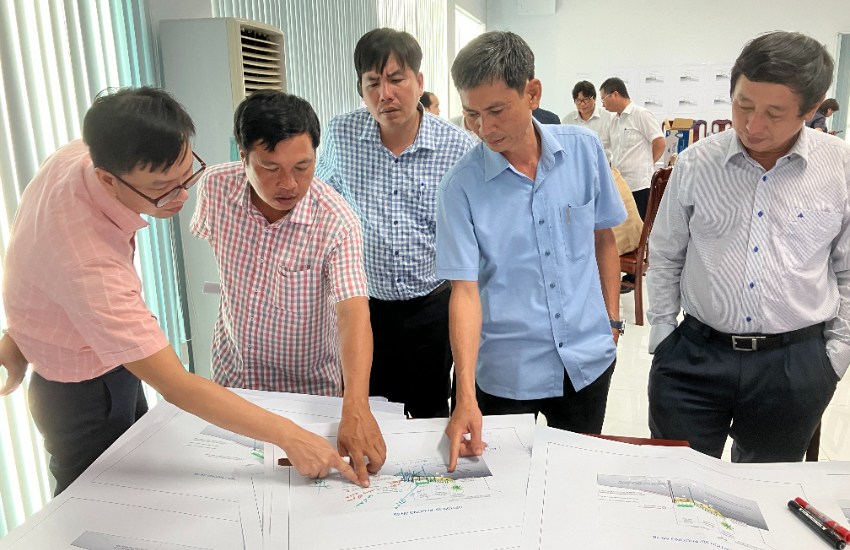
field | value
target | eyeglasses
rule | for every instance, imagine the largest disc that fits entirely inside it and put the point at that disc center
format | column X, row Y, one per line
column 162, row 200
column 583, row 101
column 604, row 97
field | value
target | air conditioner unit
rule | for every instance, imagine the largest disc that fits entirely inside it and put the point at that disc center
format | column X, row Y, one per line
column 211, row 65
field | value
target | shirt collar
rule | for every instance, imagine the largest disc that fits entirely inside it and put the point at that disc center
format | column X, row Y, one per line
column 496, row 163
column 425, row 137
column 125, row 219
column 799, row 149
column 301, row 213
column 629, row 108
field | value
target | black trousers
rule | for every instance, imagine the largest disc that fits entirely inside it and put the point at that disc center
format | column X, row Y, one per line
column 576, row 411
column 80, row 420
column 769, row 402
column 412, row 358
column 641, row 201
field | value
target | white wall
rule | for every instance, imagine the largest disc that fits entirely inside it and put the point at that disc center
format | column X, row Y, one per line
column 478, row 10
column 594, row 37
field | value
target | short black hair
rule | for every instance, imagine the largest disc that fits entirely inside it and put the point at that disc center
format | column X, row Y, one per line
column 494, row 55
column 425, row 100
column 129, row 128
column 269, row 117
column 614, row 84
column 828, row 104
column 788, row 58
column 374, row 48
column 585, row 88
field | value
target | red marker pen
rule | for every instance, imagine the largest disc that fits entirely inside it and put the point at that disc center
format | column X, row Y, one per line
column 840, row 530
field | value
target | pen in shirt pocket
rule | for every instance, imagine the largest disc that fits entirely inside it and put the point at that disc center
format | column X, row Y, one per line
column 568, row 215
column 421, row 190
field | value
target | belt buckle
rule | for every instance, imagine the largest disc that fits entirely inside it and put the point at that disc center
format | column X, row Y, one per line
column 753, row 342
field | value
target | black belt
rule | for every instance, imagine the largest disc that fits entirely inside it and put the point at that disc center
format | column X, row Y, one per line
column 445, row 285
column 754, row 342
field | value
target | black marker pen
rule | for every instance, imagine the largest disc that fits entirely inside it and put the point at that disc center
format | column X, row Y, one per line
column 816, row 525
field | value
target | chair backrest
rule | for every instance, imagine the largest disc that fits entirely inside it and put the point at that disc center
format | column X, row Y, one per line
column 656, row 191
column 695, row 130
column 720, row 125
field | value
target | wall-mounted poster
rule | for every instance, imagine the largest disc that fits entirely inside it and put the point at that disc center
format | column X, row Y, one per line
column 650, row 78
column 720, row 74
column 656, row 102
column 690, row 76
column 688, row 101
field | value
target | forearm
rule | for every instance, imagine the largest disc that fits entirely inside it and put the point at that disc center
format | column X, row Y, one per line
column 837, row 331
column 209, row 401
column 608, row 263
column 658, row 145
column 465, row 336
column 355, row 348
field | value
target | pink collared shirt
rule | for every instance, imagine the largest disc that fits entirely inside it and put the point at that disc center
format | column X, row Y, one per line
column 72, row 296
column 277, row 325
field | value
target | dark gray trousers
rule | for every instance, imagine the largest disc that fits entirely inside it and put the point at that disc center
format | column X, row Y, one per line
column 80, row 420
column 768, row 402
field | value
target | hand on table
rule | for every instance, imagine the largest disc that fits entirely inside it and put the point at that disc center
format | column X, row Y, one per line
column 359, row 436
column 466, row 419
column 314, row 457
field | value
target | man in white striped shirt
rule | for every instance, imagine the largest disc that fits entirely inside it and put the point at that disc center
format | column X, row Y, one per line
column 751, row 239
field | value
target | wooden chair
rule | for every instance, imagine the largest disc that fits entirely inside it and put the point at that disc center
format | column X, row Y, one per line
column 637, row 262
column 721, row 125
column 695, row 130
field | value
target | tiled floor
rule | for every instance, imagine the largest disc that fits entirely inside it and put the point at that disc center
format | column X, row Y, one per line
column 627, row 401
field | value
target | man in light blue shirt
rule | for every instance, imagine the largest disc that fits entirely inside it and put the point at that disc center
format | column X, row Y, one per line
column 524, row 233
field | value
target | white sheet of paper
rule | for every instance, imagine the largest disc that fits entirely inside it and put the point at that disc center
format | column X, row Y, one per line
column 166, row 463
column 603, row 494
column 413, row 501
column 109, row 526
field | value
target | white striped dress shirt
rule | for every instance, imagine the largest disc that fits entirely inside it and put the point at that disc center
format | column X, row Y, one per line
column 752, row 251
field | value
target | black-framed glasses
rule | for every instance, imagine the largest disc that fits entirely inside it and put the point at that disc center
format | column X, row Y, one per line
column 583, row 101
column 162, row 200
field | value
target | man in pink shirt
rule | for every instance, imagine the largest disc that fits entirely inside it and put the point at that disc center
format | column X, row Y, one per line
column 74, row 301
column 294, row 312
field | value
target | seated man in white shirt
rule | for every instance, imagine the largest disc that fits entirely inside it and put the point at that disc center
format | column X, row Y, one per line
column 590, row 115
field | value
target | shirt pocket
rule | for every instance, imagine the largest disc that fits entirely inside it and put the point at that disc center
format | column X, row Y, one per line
column 805, row 239
column 577, row 224
column 298, row 292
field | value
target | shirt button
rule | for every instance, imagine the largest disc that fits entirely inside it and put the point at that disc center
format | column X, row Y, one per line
column 749, row 319
column 551, row 285
column 761, row 213
column 547, row 252
column 396, row 253
column 755, row 249
column 398, row 280
column 557, row 316
column 560, row 344
column 764, row 178
column 540, row 222
column 268, row 230
column 261, row 260
column 395, row 192
column 752, row 285
column 395, row 223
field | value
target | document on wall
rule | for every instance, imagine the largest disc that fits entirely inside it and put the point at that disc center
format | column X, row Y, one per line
column 602, row 494
column 413, row 502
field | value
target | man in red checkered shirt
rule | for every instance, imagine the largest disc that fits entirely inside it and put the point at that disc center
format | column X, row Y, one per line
column 294, row 313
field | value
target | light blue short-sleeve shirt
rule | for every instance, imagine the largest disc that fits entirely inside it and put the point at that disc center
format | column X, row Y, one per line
column 531, row 247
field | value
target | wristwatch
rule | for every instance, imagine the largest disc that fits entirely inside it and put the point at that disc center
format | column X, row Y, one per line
column 619, row 325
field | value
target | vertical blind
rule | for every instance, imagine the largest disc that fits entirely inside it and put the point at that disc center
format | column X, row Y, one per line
column 55, row 57
column 426, row 21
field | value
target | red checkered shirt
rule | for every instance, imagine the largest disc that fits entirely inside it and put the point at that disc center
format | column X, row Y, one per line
column 277, row 325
